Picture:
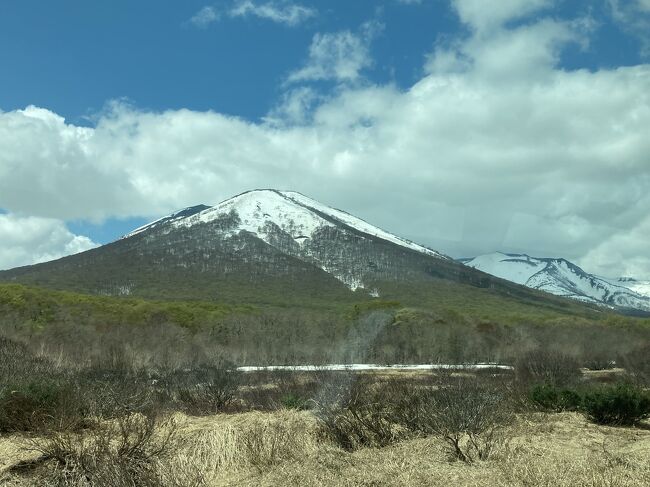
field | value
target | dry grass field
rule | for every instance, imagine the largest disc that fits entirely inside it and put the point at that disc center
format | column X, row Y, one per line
column 285, row 448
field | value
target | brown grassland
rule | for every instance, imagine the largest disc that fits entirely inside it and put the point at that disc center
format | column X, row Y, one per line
column 560, row 449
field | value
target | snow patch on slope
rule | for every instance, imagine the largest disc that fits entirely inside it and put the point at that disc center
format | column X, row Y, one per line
column 639, row 287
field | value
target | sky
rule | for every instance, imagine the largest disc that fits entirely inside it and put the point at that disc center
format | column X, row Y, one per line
column 468, row 126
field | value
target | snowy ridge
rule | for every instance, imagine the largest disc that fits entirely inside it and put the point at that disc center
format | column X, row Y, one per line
column 262, row 212
column 184, row 213
column 357, row 223
column 256, row 209
column 561, row 277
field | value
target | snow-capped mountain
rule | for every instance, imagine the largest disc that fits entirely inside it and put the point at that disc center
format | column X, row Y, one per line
column 273, row 247
column 261, row 245
column 562, row 278
column 296, row 214
column 290, row 222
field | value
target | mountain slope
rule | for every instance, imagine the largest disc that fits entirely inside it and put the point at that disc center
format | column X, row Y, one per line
column 276, row 247
column 560, row 277
column 634, row 285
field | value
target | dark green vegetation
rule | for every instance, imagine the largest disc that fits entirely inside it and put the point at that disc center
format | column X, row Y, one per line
column 621, row 404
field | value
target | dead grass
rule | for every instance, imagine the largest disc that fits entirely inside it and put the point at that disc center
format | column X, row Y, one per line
column 284, row 449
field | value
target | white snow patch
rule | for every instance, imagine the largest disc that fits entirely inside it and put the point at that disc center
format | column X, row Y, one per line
column 257, row 208
column 362, row 367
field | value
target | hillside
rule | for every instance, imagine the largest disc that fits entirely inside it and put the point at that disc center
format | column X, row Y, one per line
column 277, row 248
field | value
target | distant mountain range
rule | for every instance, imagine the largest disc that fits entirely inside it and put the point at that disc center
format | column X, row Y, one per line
column 563, row 278
column 278, row 247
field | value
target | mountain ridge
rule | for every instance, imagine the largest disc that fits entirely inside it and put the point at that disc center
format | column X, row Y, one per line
column 561, row 277
column 280, row 248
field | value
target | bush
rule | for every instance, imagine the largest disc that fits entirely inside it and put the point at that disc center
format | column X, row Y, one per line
column 205, row 390
column 637, row 363
column 467, row 413
column 38, row 405
column 547, row 367
column 294, row 401
column 621, row 405
column 551, row 398
column 354, row 416
column 129, row 451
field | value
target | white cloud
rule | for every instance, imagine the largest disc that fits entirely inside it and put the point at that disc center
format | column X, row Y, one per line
column 296, row 107
column 529, row 52
column 339, row 56
column 496, row 147
column 280, row 12
column 482, row 15
column 30, row 240
column 204, row 17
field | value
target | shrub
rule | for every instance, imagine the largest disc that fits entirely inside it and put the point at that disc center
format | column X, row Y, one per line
column 39, row 404
column 205, row 390
column 637, row 363
column 467, row 413
column 354, row 416
column 131, row 450
column 547, row 367
column 622, row 405
column 551, row 398
column 294, row 401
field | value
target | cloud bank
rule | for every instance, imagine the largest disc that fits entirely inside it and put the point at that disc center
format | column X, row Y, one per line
column 30, row 240
column 494, row 148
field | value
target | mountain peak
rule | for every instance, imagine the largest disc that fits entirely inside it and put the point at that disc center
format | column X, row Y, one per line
column 294, row 213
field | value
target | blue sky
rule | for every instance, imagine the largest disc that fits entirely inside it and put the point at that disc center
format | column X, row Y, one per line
column 77, row 55
column 116, row 92
column 72, row 57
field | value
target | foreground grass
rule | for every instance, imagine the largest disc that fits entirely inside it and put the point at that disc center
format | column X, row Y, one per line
column 285, row 448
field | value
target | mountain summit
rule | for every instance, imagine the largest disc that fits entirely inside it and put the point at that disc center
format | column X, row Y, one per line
column 260, row 211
